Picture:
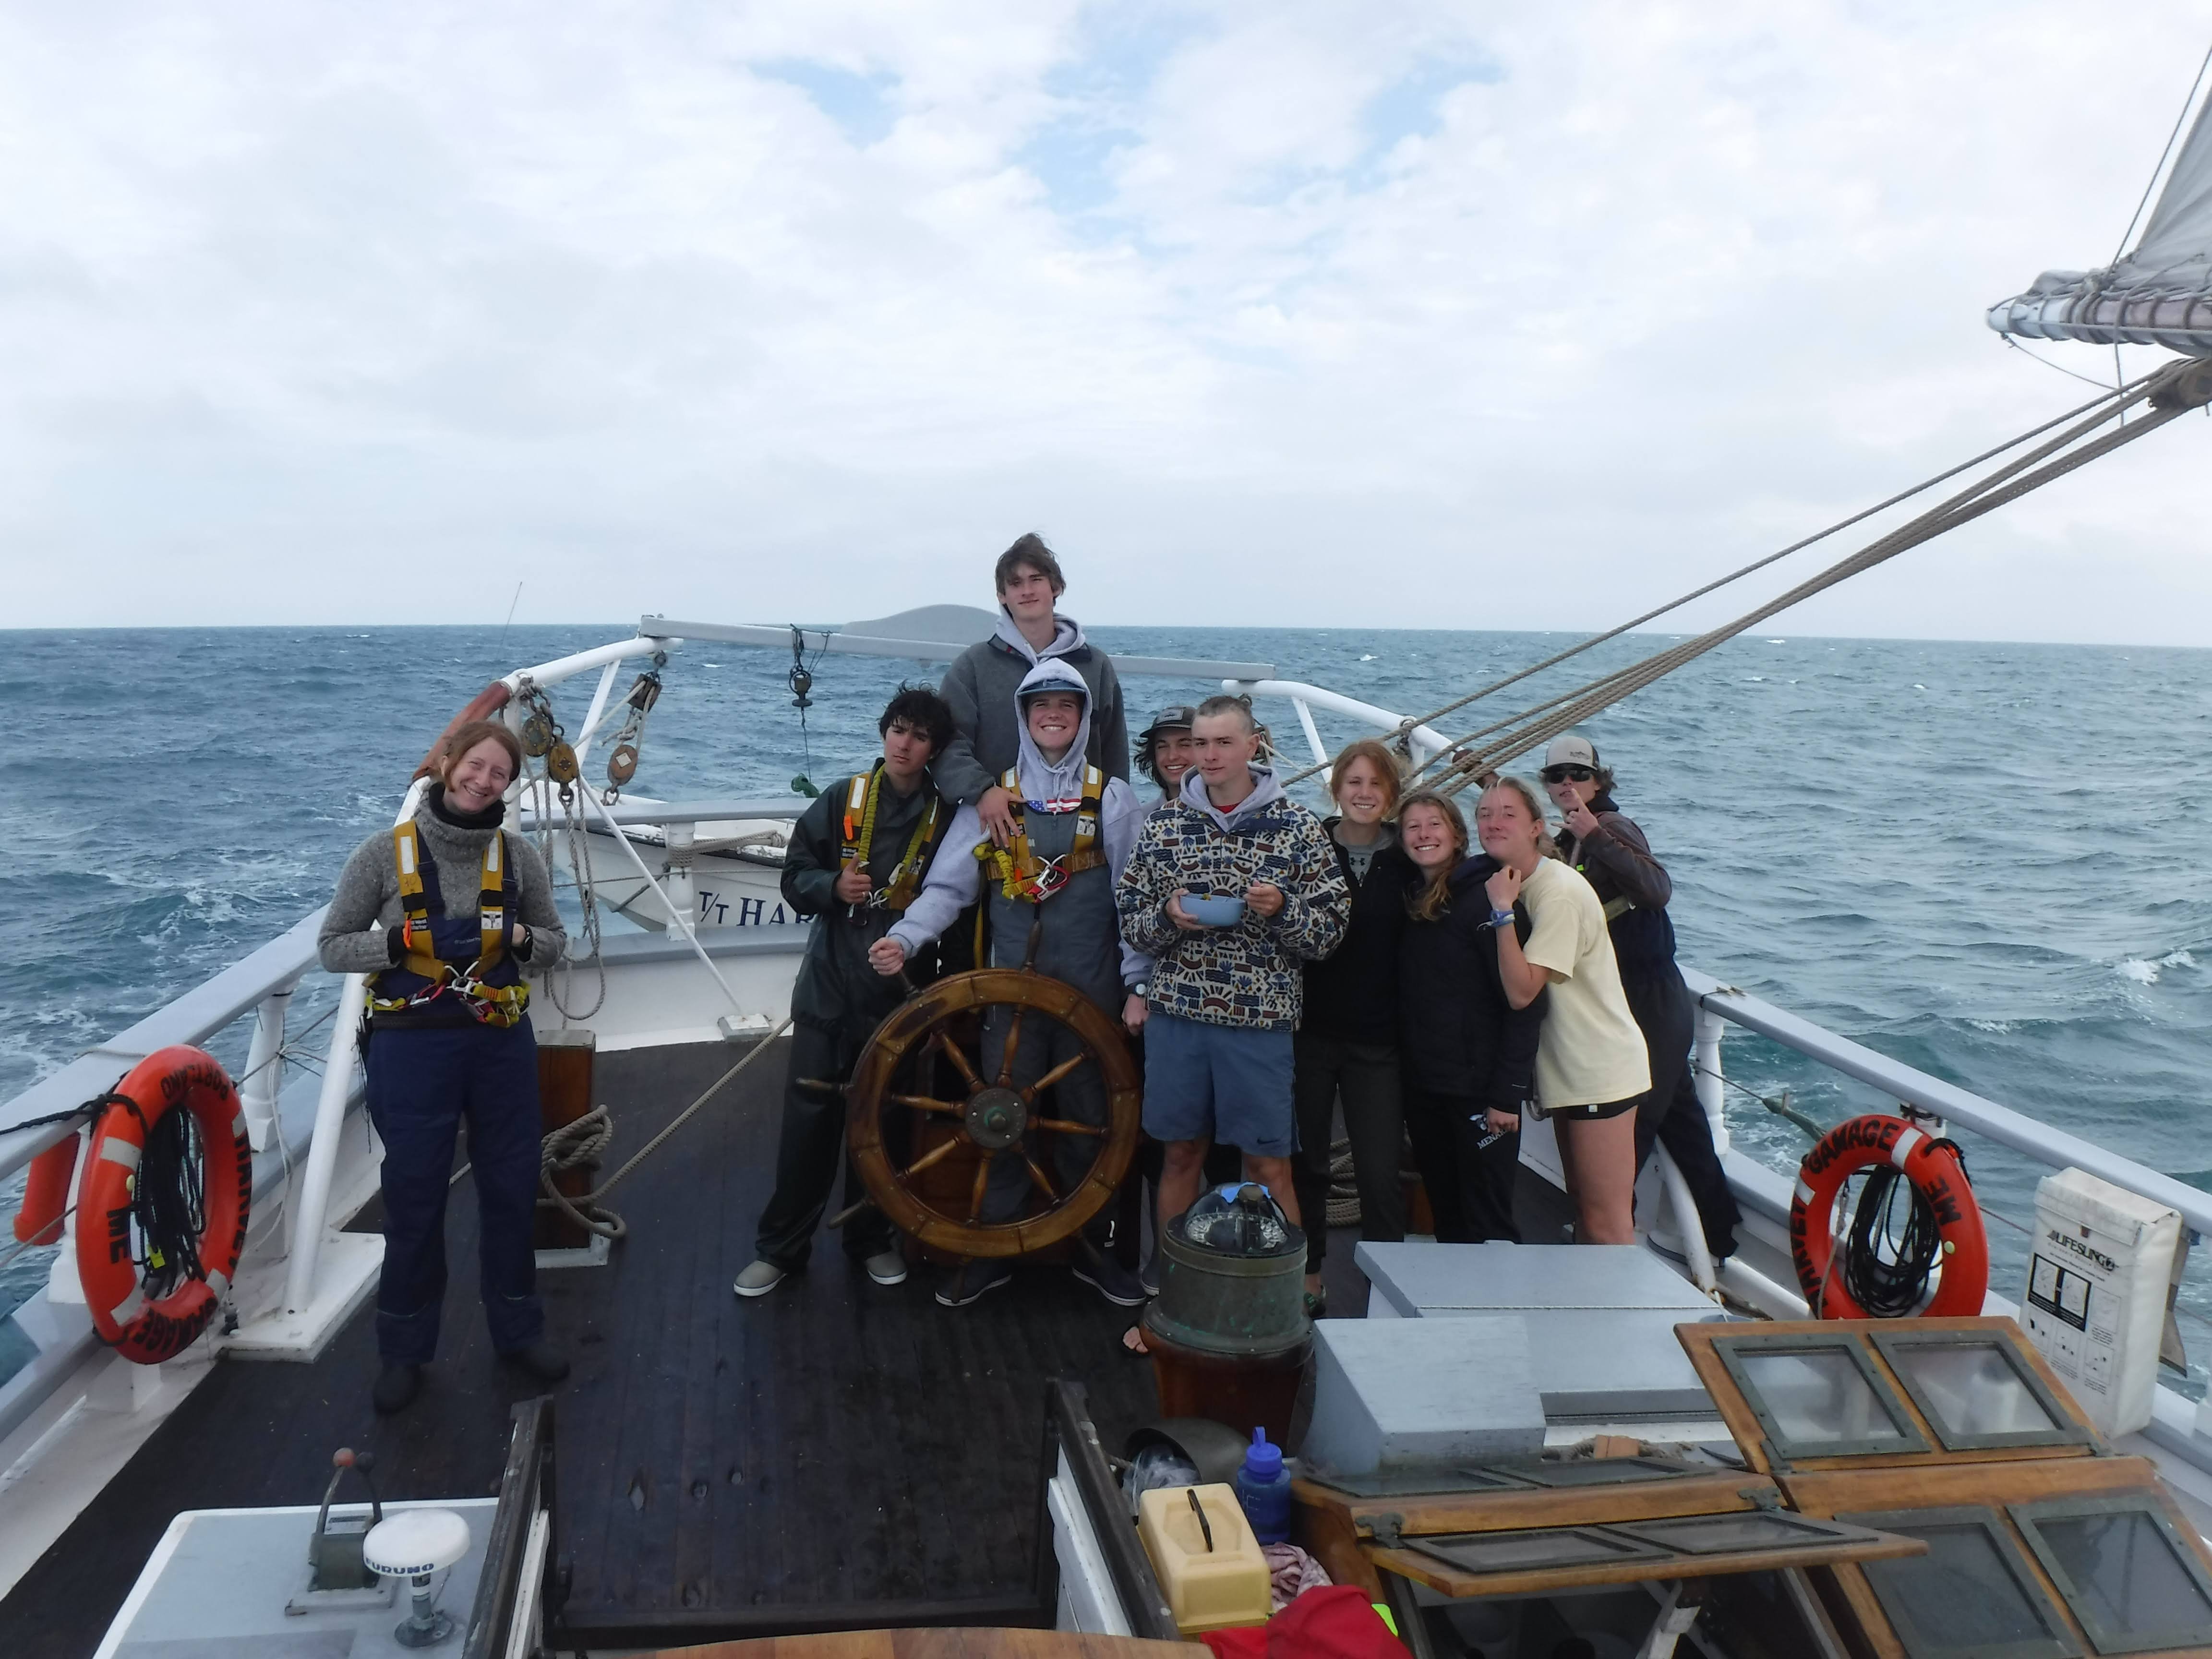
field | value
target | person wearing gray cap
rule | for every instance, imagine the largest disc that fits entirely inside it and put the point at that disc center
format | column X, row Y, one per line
column 1614, row 855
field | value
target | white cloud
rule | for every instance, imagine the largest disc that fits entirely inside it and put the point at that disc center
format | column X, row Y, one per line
column 1464, row 315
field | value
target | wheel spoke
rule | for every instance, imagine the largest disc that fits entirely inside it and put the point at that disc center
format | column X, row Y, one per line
column 1038, row 1176
column 951, row 1050
column 924, row 1103
column 982, row 1182
column 1066, row 1127
column 1013, row 1048
column 1029, row 1094
column 936, row 1154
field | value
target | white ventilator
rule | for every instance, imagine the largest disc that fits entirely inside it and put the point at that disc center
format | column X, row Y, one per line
column 2097, row 1280
column 417, row 1545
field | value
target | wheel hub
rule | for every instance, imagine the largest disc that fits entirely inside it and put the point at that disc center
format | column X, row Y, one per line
column 996, row 1118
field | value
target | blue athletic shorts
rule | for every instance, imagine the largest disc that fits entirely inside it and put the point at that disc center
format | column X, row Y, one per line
column 1223, row 1082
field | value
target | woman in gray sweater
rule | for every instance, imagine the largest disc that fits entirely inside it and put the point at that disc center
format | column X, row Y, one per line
column 441, row 912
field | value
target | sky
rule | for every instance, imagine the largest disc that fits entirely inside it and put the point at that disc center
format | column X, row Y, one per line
column 1278, row 314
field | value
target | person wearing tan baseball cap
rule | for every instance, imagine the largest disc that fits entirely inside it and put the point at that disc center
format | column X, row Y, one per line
column 1614, row 857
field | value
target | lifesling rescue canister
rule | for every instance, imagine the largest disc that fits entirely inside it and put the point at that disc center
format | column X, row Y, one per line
column 862, row 796
column 1020, row 873
column 450, row 962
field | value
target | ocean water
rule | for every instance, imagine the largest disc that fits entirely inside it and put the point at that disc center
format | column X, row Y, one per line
column 1986, row 861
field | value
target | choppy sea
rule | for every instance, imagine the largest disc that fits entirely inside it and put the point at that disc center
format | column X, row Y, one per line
column 1987, row 861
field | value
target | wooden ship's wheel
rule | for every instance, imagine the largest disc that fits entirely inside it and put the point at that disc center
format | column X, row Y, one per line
column 964, row 1123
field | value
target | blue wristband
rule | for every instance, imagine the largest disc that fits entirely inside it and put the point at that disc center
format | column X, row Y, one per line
column 1501, row 918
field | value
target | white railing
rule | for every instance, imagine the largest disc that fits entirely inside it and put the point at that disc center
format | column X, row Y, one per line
column 1425, row 740
column 1958, row 1108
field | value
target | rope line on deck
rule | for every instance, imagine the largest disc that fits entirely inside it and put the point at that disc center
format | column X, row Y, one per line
column 581, row 1142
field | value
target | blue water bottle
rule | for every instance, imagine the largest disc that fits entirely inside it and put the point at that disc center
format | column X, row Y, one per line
column 1263, row 1487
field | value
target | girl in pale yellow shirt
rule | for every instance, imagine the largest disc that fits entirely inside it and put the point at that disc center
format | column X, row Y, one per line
column 1591, row 1064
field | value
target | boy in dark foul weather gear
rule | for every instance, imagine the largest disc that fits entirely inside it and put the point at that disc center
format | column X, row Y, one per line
column 980, row 683
column 1614, row 855
column 856, row 862
column 440, row 912
column 1072, row 831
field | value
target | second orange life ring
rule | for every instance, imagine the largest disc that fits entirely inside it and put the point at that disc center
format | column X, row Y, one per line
column 1933, row 1167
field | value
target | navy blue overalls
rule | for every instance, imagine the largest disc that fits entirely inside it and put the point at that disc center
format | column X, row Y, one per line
column 431, row 1065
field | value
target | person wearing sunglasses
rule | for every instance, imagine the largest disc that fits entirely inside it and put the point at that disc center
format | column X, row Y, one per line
column 1613, row 853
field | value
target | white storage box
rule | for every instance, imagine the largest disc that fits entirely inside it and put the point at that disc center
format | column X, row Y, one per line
column 2095, row 1305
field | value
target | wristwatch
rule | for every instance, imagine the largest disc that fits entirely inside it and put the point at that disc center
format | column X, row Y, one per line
column 1142, row 988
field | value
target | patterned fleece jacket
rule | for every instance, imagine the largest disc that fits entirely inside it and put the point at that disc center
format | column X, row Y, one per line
column 1249, row 974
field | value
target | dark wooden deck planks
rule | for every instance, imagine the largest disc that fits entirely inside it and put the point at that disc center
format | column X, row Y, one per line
column 885, row 1448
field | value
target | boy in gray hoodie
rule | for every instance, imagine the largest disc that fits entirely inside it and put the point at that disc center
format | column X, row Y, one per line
column 1076, row 828
column 980, row 683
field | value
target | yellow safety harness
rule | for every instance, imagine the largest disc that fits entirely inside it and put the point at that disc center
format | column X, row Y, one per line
column 1020, row 873
column 494, row 1005
column 861, row 797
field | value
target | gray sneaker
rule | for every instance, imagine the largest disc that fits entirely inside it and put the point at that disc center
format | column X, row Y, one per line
column 886, row 1267
column 758, row 1280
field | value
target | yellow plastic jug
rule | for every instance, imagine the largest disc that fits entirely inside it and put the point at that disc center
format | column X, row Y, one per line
column 1207, row 1560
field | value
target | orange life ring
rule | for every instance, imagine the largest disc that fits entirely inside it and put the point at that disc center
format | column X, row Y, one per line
column 178, row 1079
column 1934, row 1169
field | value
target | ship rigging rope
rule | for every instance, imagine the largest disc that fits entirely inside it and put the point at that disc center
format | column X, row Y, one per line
column 2141, row 385
column 1534, row 726
column 581, row 1142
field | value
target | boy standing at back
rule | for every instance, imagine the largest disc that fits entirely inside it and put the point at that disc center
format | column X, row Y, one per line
column 980, row 683
column 1223, row 1001
column 856, row 861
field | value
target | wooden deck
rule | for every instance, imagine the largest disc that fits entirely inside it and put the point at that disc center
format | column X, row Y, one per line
column 831, row 1456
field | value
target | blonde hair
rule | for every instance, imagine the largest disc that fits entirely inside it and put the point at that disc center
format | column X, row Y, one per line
column 1533, row 802
column 1433, row 897
column 1377, row 754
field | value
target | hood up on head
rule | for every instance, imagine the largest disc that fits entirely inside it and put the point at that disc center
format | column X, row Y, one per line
column 1052, row 786
column 1067, row 637
column 1265, row 792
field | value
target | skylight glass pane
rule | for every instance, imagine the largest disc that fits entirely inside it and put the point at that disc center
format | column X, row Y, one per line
column 1509, row 1552
column 1818, row 1395
column 1961, row 1597
column 2125, row 1575
column 1717, row 1535
column 1972, row 1389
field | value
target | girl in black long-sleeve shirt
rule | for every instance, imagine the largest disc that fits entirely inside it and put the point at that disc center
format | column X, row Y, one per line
column 1347, row 1042
column 1466, row 1055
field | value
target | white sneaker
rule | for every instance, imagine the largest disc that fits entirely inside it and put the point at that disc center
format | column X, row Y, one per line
column 758, row 1280
column 886, row 1267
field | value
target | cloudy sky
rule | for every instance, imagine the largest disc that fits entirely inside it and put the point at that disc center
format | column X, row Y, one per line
column 1448, row 314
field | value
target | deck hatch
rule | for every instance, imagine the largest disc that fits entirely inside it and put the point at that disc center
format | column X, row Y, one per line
column 1975, row 1390
column 1817, row 1396
column 2125, row 1573
column 1972, row 1596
